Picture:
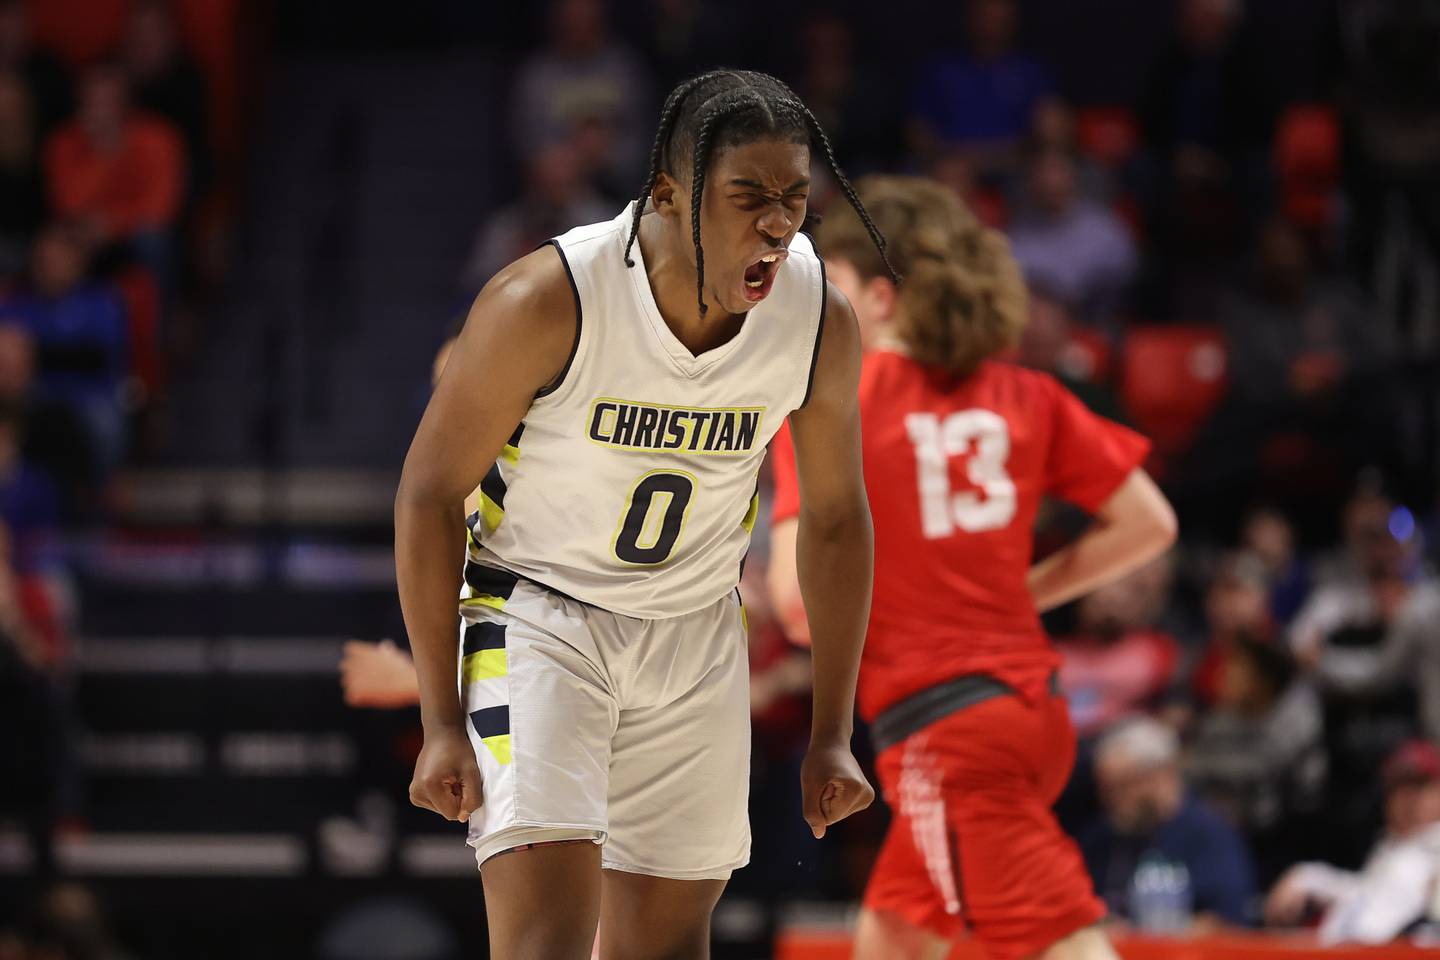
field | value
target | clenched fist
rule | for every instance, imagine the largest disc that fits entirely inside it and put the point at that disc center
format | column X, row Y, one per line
column 833, row 786
column 447, row 779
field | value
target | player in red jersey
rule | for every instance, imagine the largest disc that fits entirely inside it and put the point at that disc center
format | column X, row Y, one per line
column 958, row 677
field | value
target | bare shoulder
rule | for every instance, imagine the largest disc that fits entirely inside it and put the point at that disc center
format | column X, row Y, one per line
column 528, row 309
column 535, row 290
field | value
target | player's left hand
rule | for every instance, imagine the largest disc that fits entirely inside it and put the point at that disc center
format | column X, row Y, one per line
column 833, row 786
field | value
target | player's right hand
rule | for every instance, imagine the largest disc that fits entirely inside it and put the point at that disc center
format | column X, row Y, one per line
column 447, row 779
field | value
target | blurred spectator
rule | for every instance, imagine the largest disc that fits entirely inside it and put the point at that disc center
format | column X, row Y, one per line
column 79, row 330
column 1366, row 636
column 681, row 37
column 1161, row 859
column 1118, row 662
column 1269, row 536
column 120, row 172
column 166, row 82
column 585, row 87
column 1053, row 128
column 982, row 99
column 556, row 198
column 1048, row 343
column 1388, row 54
column 22, row 190
column 1258, row 757
column 55, row 438
column 1236, row 609
column 29, row 500
column 1363, row 635
column 1076, row 248
column 955, row 170
column 37, row 760
column 854, row 106
column 1204, row 101
column 1392, row 893
column 42, row 73
column 1296, row 340
column 1307, row 399
column 1205, row 119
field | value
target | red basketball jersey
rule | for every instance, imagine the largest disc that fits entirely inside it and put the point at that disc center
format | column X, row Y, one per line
column 955, row 472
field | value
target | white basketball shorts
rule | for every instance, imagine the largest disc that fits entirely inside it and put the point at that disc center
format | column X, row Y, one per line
column 634, row 734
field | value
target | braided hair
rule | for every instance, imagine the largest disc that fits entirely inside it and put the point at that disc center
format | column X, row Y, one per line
column 724, row 108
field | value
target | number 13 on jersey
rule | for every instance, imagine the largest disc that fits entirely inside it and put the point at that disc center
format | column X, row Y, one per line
column 986, row 437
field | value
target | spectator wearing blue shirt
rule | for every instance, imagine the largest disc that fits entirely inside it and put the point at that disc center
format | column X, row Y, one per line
column 1162, row 860
column 981, row 100
column 80, row 335
column 29, row 500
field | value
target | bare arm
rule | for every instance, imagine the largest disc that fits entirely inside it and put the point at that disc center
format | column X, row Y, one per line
column 783, row 580
column 1135, row 525
column 834, row 547
column 519, row 334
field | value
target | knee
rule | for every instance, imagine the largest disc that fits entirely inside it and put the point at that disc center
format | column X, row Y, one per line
column 1087, row 943
column 552, row 941
column 676, row 939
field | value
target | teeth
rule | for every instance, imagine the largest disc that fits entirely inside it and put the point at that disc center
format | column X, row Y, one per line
column 754, row 284
column 770, row 259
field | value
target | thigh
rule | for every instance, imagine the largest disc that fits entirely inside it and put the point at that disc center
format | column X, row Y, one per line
column 680, row 762
column 914, row 881
column 643, row 917
column 882, row 935
column 558, row 882
column 1023, row 882
column 540, row 717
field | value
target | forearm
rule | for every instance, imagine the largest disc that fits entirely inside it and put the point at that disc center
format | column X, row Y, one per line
column 835, row 564
column 1102, row 554
column 429, row 544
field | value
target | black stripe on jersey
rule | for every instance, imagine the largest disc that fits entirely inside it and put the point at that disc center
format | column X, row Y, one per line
column 489, row 581
column 491, row 721
column 494, row 487
column 554, row 385
column 484, row 635
column 514, row 440
column 819, row 334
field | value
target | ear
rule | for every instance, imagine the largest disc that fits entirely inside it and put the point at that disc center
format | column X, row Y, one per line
column 883, row 293
column 664, row 193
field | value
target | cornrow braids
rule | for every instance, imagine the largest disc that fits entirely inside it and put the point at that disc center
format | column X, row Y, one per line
column 725, row 108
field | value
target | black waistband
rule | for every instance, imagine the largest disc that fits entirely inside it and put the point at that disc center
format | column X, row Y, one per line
column 919, row 710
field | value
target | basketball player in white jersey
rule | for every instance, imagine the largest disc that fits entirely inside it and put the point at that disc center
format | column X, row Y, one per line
column 613, row 393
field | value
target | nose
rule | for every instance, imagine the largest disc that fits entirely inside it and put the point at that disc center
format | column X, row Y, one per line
column 774, row 223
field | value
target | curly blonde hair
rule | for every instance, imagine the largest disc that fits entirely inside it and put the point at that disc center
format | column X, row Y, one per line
column 962, row 292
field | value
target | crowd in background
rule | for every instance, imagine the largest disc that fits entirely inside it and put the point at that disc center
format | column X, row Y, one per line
column 1252, row 282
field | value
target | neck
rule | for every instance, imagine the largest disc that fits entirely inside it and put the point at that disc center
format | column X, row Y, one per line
column 672, row 281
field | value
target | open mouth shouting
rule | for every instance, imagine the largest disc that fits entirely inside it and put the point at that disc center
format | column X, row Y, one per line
column 760, row 275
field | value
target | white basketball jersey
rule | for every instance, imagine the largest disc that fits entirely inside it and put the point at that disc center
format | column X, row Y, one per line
column 632, row 484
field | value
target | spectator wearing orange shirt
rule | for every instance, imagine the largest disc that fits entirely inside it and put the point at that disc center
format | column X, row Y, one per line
column 120, row 172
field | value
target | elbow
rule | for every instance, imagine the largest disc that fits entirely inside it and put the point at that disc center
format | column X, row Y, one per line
column 415, row 493
column 849, row 523
column 1164, row 526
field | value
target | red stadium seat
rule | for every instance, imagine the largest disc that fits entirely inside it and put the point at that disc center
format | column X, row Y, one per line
column 1171, row 379
column 1087, row 356
column 1110, row 135
column 1307, row 159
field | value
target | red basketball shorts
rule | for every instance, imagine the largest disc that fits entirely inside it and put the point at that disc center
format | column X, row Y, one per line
column 973, row 842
